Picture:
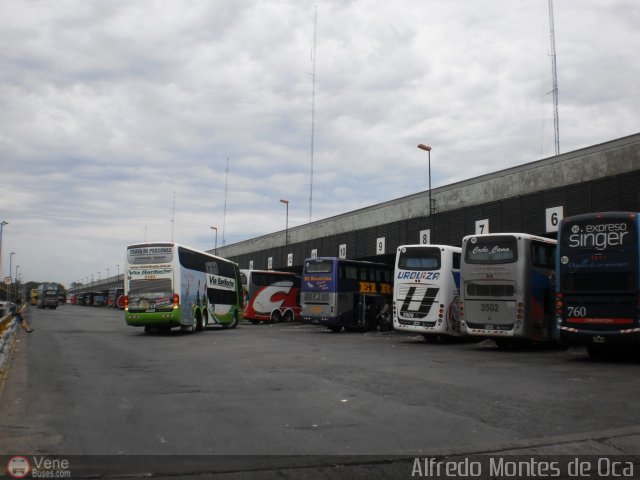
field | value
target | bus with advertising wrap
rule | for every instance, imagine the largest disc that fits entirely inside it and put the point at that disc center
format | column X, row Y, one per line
column 598, row 285
column 426, row 288
column 270, row 296
column 507, row 288
column 170, row 285
column 340, row 293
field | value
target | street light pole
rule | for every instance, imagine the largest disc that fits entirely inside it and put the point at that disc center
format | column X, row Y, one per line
column 286, row 228
column 2, row 224
column 215, row 245
column 16, row 284
column 427, row 149
column 11, row 254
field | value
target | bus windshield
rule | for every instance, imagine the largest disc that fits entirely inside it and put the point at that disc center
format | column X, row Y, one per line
column 419, row 259
column 318, row 267
column 498, row 249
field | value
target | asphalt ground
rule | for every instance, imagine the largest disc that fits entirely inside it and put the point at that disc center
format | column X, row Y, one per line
column 296, row 401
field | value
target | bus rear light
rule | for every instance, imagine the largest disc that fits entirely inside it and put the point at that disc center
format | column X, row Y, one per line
column 176, row 300
column 125, row 301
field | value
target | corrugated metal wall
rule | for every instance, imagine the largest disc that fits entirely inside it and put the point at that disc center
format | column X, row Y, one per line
column 527, row 213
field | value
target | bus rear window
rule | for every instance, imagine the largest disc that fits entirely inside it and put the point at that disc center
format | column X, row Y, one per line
column 491, row 250
column 488, row 290
column 599, row 282
column 318, row 267
column 150, row 286
column 419, row 259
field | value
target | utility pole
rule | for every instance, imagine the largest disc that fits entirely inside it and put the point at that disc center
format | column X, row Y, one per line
column 554, row 73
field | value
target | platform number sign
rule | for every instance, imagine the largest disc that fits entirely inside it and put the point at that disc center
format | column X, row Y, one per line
column 553, row 217
column 290, row 260
column 425, row 237
column 380, row 246
column 270, row 263
column 342, row 251
column 314, row 253
column 482, row 226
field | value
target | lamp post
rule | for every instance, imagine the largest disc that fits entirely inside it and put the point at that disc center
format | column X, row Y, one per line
column 215, row 245
column 427, row 149
column 2, row 224
column 16, row 289
column 11, row 254
column 286, row 228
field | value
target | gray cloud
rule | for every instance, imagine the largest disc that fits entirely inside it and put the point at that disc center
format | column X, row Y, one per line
column 109, row 109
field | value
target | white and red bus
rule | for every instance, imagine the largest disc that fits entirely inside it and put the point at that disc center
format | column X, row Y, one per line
column 270, row 296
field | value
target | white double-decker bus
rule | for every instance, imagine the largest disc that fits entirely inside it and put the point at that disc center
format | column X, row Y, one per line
column 426, row 290
column 169, row 285
column 508, row 287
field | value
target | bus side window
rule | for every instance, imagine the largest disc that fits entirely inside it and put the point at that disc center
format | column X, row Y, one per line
column 542, row 255
column 456, row 261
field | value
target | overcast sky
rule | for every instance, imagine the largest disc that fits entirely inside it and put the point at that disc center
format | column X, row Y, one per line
column 112, row 109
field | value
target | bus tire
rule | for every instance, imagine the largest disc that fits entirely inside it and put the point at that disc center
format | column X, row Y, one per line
column 598, row 352
column 288, row 316
column 276, row 316
column 199, row 324
column 233, row 323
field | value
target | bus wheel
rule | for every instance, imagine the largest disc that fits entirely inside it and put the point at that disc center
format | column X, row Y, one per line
column 598, row 352
column 288, row 316
column 199, row 324
column 503, row 343
column 234, row 322
column 276, row 316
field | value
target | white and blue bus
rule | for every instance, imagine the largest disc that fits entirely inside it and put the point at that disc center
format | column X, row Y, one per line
column 508, row 286
column 598, row 285
column 340, row 293
column 169, row 285
column 426, row 290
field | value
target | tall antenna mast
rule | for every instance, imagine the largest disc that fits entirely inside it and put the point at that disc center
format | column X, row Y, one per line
column 173, row 214
column 313, row 108
column 226, row 183
column 554, row 72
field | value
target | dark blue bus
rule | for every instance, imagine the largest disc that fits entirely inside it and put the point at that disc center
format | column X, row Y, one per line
column 340, row 293
column 597, row 296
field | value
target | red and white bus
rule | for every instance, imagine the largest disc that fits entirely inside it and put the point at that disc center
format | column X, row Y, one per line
column 270, row 296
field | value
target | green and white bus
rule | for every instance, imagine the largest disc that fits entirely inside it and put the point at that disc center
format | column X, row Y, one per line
column 169, row 285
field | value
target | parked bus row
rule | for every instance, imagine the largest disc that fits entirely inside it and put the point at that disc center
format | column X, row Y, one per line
column 582, row 289
column 113, row 297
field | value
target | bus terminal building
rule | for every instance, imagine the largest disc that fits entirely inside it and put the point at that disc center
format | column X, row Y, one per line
column 530, row 198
